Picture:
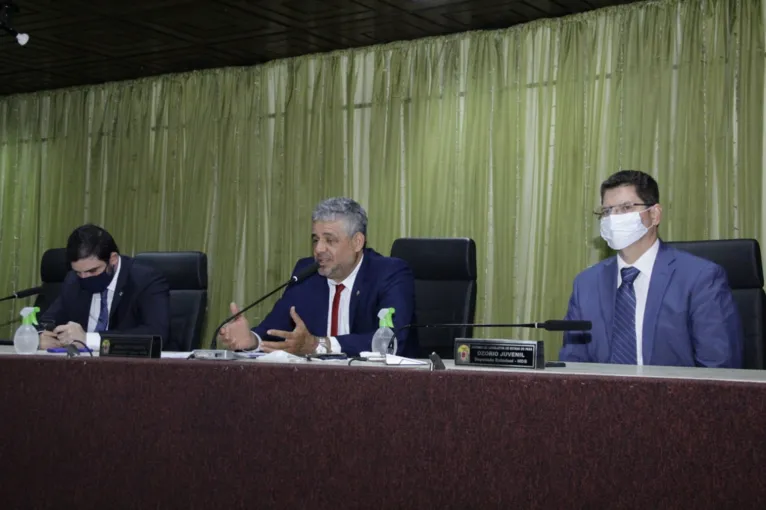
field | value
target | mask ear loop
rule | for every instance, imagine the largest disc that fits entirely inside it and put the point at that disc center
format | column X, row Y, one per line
column 649, row 209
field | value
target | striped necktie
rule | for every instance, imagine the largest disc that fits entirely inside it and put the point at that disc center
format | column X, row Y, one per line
column 624, row 331
column 103, row 315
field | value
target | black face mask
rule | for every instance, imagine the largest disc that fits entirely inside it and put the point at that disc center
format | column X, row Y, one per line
column 99, row 283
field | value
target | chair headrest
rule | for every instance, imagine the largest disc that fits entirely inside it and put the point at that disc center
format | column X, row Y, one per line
column 184, row 270
column 54, row 266
column 438, row 258
column 740, row 258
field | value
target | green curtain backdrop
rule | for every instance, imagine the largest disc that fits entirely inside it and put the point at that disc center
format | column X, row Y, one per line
column 501, row 136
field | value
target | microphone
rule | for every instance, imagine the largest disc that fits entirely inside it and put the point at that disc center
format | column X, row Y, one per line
column 23, row 293
column 550, row 325
column 436, row 362
column 295, row 279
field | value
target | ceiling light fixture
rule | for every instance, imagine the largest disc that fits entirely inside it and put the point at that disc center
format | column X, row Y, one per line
column 7, row 11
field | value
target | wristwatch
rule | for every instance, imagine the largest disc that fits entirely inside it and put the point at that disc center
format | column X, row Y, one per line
column 324, row 342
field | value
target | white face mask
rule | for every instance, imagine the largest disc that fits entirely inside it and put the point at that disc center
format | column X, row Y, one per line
column 621, row 230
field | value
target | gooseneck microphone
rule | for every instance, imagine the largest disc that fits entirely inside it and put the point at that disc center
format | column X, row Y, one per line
column 551, row 325
column 23, row 293
column 296, row 278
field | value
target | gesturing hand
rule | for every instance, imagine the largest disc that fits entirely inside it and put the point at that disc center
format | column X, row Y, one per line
column 236, row 334
column 298, row 341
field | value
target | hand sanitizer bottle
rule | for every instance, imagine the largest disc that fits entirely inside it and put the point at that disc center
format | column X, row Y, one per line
column 27, row 340
column 381, row 340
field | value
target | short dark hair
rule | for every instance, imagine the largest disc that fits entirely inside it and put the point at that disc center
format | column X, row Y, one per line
column 88, row 241
column 646, row 187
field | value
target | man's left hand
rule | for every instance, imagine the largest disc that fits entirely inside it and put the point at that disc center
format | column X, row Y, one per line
column 298, row 341
column 69, row 332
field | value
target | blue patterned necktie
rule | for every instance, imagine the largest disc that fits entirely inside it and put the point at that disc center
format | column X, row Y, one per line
column 103, row 315
column 624, row 330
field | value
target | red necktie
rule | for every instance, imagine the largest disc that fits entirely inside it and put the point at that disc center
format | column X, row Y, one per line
column 335, row 305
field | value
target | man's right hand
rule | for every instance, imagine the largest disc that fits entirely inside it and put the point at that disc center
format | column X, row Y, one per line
column 49, row 340
column 236, row 335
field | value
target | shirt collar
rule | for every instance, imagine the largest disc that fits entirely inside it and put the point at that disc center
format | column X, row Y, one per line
column 113, row 283
column 348, row 283
column 645, row 262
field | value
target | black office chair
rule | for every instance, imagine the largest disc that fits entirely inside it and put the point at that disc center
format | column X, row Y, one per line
column 445, row 288
column 741, row 259
column 186, row 273
column 53, row 270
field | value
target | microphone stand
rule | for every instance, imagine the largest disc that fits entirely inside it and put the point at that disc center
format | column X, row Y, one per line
column 551, row 325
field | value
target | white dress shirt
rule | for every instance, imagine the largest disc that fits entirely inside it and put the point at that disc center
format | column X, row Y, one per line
column 92, row 339
column 344, row 310
column 644, row 264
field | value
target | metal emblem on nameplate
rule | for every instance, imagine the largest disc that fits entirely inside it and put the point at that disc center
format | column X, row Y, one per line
column 526, row 354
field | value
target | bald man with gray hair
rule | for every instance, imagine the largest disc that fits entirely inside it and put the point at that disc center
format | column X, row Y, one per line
column 336, row 309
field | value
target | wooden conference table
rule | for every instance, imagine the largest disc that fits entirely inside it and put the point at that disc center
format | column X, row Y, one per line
column 172, row 433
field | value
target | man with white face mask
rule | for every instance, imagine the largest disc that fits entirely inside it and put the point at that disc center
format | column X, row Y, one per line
column 651, row 304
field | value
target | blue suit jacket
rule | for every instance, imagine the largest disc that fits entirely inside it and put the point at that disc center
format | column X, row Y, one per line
column 140, row 306
column 690, row 317
column 382, row 282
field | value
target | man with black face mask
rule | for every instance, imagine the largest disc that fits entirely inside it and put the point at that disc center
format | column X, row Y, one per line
column 105, row 292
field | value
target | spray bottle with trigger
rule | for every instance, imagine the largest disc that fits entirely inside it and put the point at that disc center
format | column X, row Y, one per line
column 27, row 340
column 381, row 340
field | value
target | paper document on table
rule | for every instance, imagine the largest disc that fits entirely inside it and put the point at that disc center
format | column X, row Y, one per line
column 392, row 359
column 249, row 354
column 372, row 356
column 281, row 357
column 175, row 355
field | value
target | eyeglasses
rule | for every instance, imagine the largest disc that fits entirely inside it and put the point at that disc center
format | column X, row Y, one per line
column 619, row 209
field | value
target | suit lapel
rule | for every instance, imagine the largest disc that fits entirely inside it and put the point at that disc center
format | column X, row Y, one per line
column 119, row 290
column 320, row 309
column 661, row 273
column 82, row 307
column 359, row 291
column 607, row 293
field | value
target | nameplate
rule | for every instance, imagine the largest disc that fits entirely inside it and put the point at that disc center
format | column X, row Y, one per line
column 130, row 346
column 526, row 354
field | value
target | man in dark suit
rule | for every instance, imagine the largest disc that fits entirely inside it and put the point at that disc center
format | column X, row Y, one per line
column 336, row 309
column 651, row 304
column 105, row 292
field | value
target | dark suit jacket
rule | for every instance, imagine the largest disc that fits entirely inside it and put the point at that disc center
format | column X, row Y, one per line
column 690, row 317
column 141, row 302
column 382, row 282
